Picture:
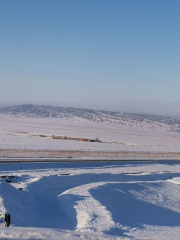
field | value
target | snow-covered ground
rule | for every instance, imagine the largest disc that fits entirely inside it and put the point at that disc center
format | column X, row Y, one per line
column 28, row 133
column 71, row 200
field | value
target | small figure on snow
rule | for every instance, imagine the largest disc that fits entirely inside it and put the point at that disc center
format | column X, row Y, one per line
column 7, row 220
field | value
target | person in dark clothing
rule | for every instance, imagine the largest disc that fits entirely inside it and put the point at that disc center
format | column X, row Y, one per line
column 7, row 220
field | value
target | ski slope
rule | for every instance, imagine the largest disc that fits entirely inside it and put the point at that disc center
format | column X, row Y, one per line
column 138, row 200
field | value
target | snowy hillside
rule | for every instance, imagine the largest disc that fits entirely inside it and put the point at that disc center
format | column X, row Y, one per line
column 75, row 200
column 51, row 128
column 143, row 121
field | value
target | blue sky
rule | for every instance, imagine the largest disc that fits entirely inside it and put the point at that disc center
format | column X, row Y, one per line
column 119, row 55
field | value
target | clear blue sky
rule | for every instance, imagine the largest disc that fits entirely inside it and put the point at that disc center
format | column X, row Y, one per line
column 120, row 55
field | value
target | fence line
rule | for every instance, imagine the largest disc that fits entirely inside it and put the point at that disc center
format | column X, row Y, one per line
column 15, row 153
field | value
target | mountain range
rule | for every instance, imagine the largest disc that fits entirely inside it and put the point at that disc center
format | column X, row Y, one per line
column 146, row 121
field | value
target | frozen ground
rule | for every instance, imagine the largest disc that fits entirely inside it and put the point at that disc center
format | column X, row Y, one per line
column 76, row 200
column 27, row 133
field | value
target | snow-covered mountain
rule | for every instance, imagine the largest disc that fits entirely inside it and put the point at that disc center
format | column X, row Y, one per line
column 145, row 121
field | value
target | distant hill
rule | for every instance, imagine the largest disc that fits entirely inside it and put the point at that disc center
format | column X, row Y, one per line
column 145, row 121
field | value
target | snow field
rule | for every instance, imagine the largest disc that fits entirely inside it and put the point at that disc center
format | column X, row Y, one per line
column 26, row 133
column 137, row 200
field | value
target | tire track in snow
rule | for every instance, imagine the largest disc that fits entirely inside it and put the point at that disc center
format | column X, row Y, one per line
column 91, row 215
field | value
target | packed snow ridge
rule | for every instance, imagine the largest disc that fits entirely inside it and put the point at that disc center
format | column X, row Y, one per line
column 144, row 121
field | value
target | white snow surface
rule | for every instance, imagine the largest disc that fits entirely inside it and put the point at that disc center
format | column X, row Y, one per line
column 23, row 132
column 91, row 200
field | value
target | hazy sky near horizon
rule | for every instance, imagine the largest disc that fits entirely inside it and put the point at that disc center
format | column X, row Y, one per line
column 119, row 55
